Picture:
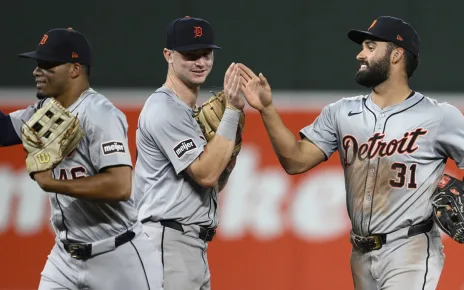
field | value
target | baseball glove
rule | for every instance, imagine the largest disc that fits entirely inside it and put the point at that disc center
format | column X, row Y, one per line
column 448, row 207
column 51, row 134
column 209, row 115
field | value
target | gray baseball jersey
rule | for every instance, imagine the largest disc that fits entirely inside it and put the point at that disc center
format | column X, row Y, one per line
column 393, row 158
column 168, row 141
column 104, row 145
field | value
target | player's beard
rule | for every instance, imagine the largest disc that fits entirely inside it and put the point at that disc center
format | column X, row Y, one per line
column 375, row 73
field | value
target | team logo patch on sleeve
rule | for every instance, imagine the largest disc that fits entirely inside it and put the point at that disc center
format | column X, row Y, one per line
column 184, row 147
column 113, row 147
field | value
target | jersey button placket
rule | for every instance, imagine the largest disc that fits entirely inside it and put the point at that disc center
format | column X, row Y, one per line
column 370, row 180
column 370, row 183
column 380, row 122
column 367, row 201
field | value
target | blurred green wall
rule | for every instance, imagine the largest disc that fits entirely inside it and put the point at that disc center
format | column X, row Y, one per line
column 297, row 44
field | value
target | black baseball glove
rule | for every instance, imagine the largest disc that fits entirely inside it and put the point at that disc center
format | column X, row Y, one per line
column 448, row 208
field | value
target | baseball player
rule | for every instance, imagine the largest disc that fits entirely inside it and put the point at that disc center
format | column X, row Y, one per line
column 393, row 145
column 178, row 175
column 99, row 242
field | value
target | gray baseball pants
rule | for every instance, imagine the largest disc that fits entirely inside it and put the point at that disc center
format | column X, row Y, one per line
column 183, row 255
column 133, row 265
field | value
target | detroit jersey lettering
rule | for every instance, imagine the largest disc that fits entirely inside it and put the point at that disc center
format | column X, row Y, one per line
column 377, row 146
column 392, row 158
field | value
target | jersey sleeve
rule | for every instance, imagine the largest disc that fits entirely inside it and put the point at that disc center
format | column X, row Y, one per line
column 107, row 128
column 450, row 134
column 322, row 132
column 174, row 132
column 8, row 135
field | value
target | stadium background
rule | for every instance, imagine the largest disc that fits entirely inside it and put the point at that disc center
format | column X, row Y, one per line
column 277, row 231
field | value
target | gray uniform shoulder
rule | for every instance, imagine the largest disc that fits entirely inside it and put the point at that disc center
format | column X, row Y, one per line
column 97, row 110
column 105, row 129
column 447, row 108
column 449, row 135
column 163, row 105
column 345, row 105
column 444, row 110
column 163, row 110
column 358, row 98
column 98, row 104
column 355, row 101
column 431, row 102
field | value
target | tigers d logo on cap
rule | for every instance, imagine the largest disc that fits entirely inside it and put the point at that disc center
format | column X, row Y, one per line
column 188, row 33
column 198, row 31
column 391, row 29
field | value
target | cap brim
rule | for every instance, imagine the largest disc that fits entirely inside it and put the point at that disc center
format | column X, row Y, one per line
column 38, row 56
column 195, row 47
column 359, row 36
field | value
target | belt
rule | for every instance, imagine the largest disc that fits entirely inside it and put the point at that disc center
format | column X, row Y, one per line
column 82, row 251
column 205, row 234
column 376, row 241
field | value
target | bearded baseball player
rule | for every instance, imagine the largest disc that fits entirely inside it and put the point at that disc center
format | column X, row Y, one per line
column 393, row 145
column 76, row 144
column 185, row 154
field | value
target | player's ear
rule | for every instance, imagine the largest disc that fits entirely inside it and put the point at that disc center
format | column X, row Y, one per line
column 75, row 70
column 397, row 53
column 168, row 55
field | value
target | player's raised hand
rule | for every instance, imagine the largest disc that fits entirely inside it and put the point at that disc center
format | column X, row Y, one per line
column 232, row 87
column 256, row 89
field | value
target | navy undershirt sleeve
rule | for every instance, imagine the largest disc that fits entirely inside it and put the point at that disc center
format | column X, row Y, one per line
column 8, row 135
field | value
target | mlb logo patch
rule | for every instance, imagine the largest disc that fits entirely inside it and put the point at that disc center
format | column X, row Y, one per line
column 184, row 147
column 112, row 147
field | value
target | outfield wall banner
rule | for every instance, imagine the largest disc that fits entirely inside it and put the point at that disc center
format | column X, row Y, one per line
column 276, row 231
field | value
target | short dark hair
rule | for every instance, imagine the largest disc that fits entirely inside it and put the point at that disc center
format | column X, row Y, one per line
column 411, row 61
column 86, row 70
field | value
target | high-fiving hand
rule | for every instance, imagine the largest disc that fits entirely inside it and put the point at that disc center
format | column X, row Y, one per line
column 256, row 89
column 232, row 87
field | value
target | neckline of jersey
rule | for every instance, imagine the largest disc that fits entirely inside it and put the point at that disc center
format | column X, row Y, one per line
column 410, row 100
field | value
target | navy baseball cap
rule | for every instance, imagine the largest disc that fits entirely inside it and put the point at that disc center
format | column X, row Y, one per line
column 184, row 34
column 391, row 29
column 62, row 45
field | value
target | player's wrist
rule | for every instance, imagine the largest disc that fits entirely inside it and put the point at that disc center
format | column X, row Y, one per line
column 43, row 181
column 232, row 107
column 229, row 123
column 267, row 109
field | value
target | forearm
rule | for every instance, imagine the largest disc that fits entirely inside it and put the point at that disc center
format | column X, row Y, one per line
column 99, row 187
column 283, row 141
column 214, row 159
column 218, row 151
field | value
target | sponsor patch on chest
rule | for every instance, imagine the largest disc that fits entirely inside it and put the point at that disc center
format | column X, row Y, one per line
column 184, row 147
column 113, row 147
